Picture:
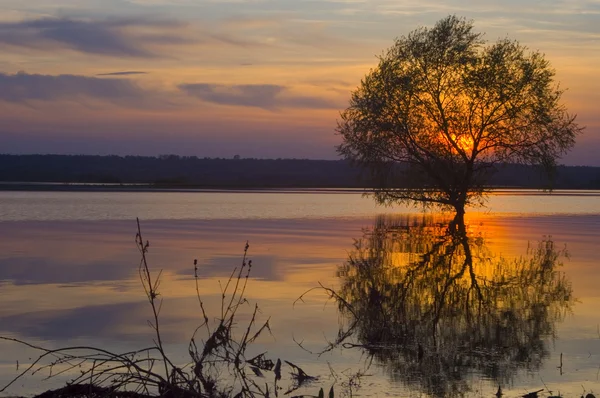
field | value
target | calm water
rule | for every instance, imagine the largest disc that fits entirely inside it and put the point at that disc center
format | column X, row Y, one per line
column 68, row 275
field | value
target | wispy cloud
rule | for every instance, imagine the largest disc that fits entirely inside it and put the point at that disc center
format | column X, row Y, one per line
column 112, row 37
column 23, row 87
column 266, row 96
column 123, row 73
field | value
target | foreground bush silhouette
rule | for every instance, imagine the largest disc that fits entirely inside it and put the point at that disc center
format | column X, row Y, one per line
column 218, row 366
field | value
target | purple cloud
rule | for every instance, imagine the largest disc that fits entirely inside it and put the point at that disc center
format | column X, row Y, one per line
column 112, row 37
column 23, row 87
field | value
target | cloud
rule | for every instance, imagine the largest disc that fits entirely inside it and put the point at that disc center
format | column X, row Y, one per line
column 112, row 37
column 123, row 73
column 266, row 96
column 22, row 87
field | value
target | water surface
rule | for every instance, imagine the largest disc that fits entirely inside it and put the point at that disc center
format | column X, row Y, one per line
column 68, row 274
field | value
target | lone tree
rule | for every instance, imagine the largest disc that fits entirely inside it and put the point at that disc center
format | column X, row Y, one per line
column 444, row 107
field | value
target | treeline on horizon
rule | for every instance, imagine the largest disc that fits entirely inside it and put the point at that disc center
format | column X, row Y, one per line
column 192, row 172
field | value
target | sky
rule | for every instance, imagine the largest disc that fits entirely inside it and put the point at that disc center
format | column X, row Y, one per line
column 255, row 78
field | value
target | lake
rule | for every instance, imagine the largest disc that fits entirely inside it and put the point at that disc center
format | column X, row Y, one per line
column 516, row 305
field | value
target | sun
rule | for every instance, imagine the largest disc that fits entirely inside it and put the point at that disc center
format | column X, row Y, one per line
column 463, row 142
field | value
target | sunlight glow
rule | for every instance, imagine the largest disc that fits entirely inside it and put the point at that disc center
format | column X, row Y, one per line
column 463, row 142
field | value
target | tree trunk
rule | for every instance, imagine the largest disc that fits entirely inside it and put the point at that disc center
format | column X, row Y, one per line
column 457, row 225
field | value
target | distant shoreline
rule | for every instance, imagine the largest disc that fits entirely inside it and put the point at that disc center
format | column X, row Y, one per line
column 177, row 173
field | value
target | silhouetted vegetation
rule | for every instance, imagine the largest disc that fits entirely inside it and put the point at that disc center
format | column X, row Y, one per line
column 174, row 171
column 448, row 107
column 218, row 366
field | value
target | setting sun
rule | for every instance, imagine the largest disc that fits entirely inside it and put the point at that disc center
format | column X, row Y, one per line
column 463, row 142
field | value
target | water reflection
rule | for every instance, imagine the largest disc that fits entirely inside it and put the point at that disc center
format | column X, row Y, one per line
column 433, row 304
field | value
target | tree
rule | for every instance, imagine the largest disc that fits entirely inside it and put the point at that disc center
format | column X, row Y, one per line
column 443, row 108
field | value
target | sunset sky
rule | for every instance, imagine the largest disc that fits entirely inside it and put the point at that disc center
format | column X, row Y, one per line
column 258, row 78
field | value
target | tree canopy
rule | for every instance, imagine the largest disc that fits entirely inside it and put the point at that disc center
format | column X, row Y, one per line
column 444, row 107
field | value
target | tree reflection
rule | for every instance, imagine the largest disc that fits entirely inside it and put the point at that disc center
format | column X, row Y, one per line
column 434, row 305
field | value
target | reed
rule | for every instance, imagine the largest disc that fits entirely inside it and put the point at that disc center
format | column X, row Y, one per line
column 217, row 367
